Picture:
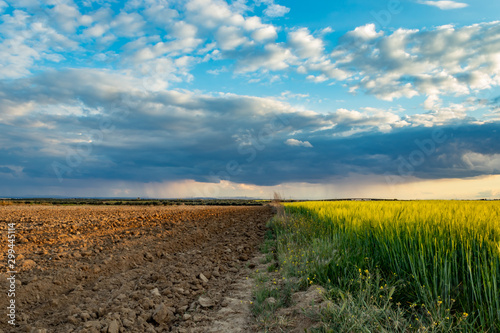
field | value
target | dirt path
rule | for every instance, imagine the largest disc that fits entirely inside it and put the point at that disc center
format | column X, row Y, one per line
column 125, row 269
column 231, row 311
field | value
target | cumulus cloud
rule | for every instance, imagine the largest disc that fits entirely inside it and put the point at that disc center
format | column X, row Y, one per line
column 229, row 38
column 128, row 24
column 183, row 30
column 304, row 44
column 403, row 64
column 445, row 4
column 24, row 42
column 154, row 36
column 298, row 143
column 66, row 15
column 317, row 79
column 274, row 10
column 96, row 30
column 352, row 121
column 272, row 57
column 407, row 63
column 265, row 33
column 489, row 163
column 364, row 33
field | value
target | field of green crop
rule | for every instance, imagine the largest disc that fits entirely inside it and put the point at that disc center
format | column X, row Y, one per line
column 398, row 266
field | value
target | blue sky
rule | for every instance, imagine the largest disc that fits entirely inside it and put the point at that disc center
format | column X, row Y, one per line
column 213, row 98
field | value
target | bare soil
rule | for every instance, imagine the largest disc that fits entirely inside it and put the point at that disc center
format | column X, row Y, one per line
column 125, row 269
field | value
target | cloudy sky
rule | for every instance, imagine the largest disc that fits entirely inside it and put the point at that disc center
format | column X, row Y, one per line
column 208, row 98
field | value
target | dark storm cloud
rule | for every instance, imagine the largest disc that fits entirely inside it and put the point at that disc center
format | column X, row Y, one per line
column 108, row 128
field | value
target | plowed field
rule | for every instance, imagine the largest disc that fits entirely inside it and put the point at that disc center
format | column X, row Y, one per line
column 123, row 269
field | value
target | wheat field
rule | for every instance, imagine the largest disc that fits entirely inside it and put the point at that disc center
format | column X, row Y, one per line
column 445, row 254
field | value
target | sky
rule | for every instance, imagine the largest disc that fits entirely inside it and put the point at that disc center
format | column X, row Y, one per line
column 212, row 98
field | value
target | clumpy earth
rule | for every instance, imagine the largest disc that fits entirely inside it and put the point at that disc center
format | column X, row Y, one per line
column 127, row 269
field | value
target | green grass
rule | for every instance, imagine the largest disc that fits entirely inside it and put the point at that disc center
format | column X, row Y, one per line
column 439, row 259
column 269, row 284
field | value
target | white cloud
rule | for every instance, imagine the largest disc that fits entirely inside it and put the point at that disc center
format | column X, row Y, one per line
column 14, row 109
column 326, row 31
column 272, row 57
column 298, row 143
column 482, row 162
column 351, row 121
column 97, row 30
column 229, row 38
column 432, row 63
column 3, row 4
column 252, row 23
column 431, row 102
column 230, row 29
column 26, row 42
column 128, row 24
column 159, row 12
column 240, row 6
column 317, row 79
column 305, row 44
column 287, row 94
column 158, row 73
column 274, row 10
column 452, row 113
column 97, row 87
column 85, row 20
column 16, row 58
column 181, row 29
column 266, row 33
column 66, row 15
column 365, row 32
column 211, row 13
column 445, row 4
column 407, row 63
